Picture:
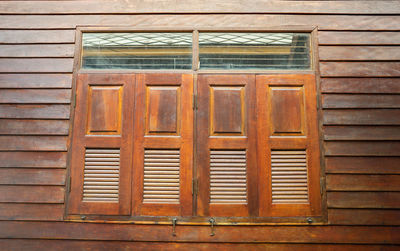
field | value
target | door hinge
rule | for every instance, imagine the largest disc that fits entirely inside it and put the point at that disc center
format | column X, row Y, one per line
column 322, row 185
column 195, row 186
column 69, row 184
column 194, row 102
column 74, row 100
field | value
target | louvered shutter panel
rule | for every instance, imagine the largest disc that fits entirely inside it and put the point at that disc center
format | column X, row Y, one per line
column 163, row 148
column 288, row 145
column 226, row 145
column 101, row 150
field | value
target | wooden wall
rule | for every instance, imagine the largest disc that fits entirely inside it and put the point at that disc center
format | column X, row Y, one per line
column 359, row 50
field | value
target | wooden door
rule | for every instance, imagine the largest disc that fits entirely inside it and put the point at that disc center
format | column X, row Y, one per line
column 226, row 145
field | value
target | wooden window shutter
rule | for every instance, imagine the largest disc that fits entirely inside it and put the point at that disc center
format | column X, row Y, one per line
column 101, row 156
column 163, row 145
column 288, row 145
column 226, row 145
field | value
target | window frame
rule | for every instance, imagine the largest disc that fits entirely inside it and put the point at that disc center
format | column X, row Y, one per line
column 199, row 220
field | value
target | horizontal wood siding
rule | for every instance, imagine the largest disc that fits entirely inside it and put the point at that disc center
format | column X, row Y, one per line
column 359, row 92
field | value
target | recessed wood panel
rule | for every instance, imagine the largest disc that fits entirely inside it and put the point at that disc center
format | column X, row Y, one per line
column 227, row 110
column 104, row 110
column 287, row 110
column 163, row 109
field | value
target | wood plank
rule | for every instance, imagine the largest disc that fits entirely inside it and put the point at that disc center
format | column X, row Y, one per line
column 361, row 132
column 360, row 101
column 359, row 53
column 356, row 182
column 43, row 50
column 201, row 234
column 372, row 165
column 358, row 38
column 363, row 199
column 358, row 148
column 21, row 211
column 362, row 117
column 20, row 176
column 41, row 96
column 33, row 159
column 363, row 217
column 33, row 127
column 360, row 85
column 35, row 80
column 33, row 143
column 36, row 65
column 207, row 6
column 37, row 36
column 61, row 245
column 324, row 22
column 35, row 111
column 32, row 194
column 360, row 69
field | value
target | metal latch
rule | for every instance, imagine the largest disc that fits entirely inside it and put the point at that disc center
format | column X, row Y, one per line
column 174, row 220
column 212, row 223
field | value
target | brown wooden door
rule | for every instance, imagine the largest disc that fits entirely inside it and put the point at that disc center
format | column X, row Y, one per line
column 226, row 145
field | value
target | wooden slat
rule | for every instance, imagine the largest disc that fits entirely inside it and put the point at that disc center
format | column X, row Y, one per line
column 32, row 194
column 360, row 101
column 20, row 176
column 356, row 182
column 363, row 217
column 366, row 165
column 37, row 245
column 362, row 117
column 43, row 50
column 37, row 36
column 363, row 199
column 21, row 211
column 33, row 143
column 324, row 22
column 360, row 85
column 360, row 69
column 359, row 53
column 33, row 127
column 36, row 65
column 357, row 148
column 207, row 6
column 35, row 80
column 33, row 159
column 358, row 38
column 362, row 133
column 41, row 96
column 35, row 111
column 201, row 234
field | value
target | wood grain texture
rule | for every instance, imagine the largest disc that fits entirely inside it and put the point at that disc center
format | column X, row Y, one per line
column 58, row 65
column 32, row 194
column 364, row 182
column 33, row 127
column 21, row 176
column 33, row 143
column 363, row 200
column 358, row 38
column 324, row 22
column 34, row 96
column 363, row 165
column 27, row 211
column 360, row 101
column 359, row 53
column 43, row 50
column 362, row 148
column 364, row 217
column 201, row 234
column 34, row 111
column 35, row 80
column 361, row 117
column 33, row 159
column 37, row 36
column 361, row 132
column 360, row 69
column 360, row 85
column 37, row 245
